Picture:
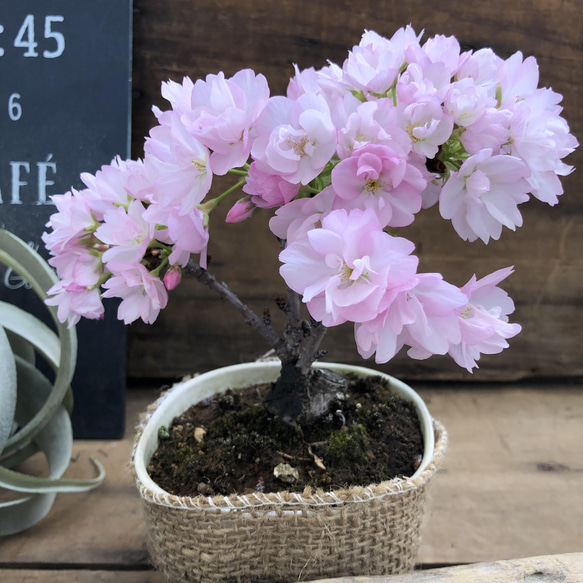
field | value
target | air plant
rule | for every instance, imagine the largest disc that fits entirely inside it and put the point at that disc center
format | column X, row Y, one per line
column 34, row 411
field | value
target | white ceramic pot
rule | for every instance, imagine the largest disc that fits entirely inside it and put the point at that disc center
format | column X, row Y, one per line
column 372, row 530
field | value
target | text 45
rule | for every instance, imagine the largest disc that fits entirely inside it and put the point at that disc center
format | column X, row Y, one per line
column 25, row 37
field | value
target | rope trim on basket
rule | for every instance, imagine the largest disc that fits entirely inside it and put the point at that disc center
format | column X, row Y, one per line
column 308, row 498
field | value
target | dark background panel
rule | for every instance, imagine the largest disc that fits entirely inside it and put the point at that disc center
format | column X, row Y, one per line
column 75, row 116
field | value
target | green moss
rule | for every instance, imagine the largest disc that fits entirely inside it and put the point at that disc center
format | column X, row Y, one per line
column 347, row 446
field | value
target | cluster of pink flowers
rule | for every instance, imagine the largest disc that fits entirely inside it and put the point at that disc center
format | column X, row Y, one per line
column 348, row 154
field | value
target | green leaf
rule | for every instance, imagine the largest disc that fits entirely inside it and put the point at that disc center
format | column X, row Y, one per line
column 19, row 456
column 7, row 388
column 20, row 346
column 33, row 331
column 33, row 390
column 30, row 265
column 15, row 253
column 34, row 485
column 55, row 440
column 27, row 334
column 21, row 514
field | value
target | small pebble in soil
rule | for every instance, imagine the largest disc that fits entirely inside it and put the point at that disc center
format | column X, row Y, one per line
column 286, row 473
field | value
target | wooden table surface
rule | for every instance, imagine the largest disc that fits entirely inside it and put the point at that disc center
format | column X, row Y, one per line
column 512, row 487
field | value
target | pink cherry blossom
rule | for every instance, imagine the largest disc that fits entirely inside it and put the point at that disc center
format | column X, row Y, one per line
column 423, row 315
column 467, row 101
column 77, row 266
column 484, row 320
column 491, row 130
column 268, row 190
column 517, row 78
column 180, row 97
column 186, row 233
column 72, row 222
column 483, row 196
column 427, row 125
column 180, row 164
column 223, row 113
column 345, row 269
column 143, row 295
column 326, row 82
column 429, row 71
column 377, row 177
column 126, row 232
column 372, row 122
column 373, row 65
column 295, row 219
column 482, row 67
column 350, row 150
column 444, row 50
column 416, row 86
column 116, row 183
column 541, row 138
column 74, row 302
column 295, row 139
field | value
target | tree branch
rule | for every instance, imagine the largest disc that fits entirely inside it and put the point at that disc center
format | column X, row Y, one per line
column 311, row 347
column 203, row 276
column 293, row 305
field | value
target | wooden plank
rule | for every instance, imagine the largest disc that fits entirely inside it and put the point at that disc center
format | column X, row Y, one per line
column 546, row 569
column 566, row 568
column 172, row 39
column 512, row 486
column 78, row 576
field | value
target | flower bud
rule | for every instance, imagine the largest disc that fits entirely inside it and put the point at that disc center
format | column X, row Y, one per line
column 172, row 278
column 240, row 211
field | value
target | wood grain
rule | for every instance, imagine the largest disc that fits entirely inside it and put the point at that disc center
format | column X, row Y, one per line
column 173, row 38
column 78, row 576
column 545, row 569
column 566, row 568
column 512, row 487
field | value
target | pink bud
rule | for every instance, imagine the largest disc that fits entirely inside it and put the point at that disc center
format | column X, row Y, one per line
column 74, row 287
column 240, row 211
column 172, row 278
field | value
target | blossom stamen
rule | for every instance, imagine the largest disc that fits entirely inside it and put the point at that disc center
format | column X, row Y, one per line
column 372, row 186
column 299, row 145
column 467, row 313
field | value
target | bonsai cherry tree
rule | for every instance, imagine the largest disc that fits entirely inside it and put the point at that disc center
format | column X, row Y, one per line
column 350, row 154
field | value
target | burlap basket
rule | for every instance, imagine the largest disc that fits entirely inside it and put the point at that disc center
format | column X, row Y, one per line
column 283, row 537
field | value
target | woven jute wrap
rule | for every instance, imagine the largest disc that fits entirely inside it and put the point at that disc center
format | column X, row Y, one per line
column 285, row 537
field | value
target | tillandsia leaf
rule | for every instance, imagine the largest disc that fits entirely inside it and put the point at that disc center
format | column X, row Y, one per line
column 7, row 388
column 23, row 513
column 31, row 266
column 19, row 256
column 27, row 334
column 19, row 456
column 34, row 485
column 55, row 440
column 20, row 346
column 33, row 390
column 33, row 331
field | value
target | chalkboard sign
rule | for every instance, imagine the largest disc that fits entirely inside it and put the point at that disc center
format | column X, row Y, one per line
column 65, row 70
